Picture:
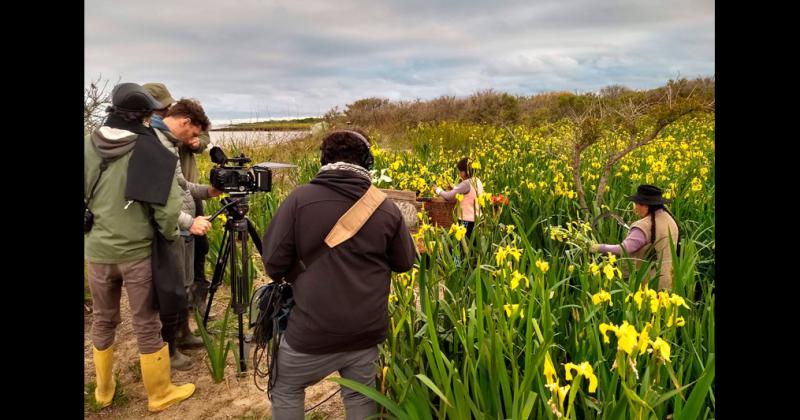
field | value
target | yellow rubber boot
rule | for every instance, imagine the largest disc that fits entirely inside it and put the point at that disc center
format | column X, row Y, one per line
column 103, row 362
column 161, row 393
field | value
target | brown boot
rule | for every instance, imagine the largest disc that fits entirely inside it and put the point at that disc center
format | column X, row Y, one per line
column 180, row 361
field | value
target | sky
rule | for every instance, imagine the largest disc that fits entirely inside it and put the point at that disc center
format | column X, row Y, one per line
column 249, row 59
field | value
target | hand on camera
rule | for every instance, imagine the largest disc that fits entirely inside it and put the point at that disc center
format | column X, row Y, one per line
column 213, row 192
column 200, row 226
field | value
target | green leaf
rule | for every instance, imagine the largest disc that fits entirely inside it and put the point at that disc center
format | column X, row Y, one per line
column 373, row 394
column 433, row 387
column 526, row 410
column 635, row 398
column 618, row 412
column 695, row 403
column 668, row 395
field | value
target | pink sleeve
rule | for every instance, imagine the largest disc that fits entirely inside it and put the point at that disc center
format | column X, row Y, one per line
column 635, row 241
column 462, row 188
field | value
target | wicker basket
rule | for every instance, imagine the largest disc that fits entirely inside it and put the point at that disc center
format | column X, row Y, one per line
column 440, row 211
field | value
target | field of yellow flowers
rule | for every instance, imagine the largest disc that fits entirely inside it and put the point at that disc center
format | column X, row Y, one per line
column 524, row 322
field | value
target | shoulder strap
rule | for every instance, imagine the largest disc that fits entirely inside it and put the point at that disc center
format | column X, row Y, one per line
column 103, row 166
column 355, row 217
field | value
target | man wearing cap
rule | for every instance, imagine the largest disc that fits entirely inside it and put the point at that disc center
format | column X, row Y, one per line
column 183, row 121
column 650, row 237
column 198, row 290
column 129, row 186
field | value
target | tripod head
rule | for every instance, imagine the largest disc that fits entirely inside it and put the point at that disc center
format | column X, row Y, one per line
column 235, row 207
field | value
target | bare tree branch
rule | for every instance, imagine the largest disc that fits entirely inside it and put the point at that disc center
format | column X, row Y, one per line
column 643, row 115
column 96, row 98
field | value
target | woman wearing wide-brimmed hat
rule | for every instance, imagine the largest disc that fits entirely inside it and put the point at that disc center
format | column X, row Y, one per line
column 650, row 236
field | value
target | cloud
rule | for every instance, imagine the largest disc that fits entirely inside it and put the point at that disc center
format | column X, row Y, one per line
column 285, row 58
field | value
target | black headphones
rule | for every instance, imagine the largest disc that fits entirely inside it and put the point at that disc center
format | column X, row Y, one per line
column 369, row 160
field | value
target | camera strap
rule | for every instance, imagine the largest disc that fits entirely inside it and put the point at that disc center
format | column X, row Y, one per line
column 345, row 228
column 103, row 166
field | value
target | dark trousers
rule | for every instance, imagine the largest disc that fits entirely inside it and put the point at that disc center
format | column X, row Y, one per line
column 200, row 249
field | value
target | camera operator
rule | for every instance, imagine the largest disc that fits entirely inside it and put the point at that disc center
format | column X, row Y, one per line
column 182, row 123
column 186, row 153
column 130, row 185
column 340, row 314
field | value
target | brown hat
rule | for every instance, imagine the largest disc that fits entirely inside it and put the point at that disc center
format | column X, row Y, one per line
column 161, row 93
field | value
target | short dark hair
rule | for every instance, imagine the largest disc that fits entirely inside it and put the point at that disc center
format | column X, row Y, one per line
column 463, row 165
column 344, row 146
column 191, row 109
column 129, row 116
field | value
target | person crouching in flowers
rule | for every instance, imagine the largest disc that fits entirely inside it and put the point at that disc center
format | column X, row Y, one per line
column 650, row 236
column 470, row 188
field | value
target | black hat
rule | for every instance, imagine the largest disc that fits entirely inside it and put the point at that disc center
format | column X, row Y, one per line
column 649, row 195
column 133, row 97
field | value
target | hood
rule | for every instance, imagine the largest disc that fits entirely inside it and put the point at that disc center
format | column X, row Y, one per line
column 344, row 182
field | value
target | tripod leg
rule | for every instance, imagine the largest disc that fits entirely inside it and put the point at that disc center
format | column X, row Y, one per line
column 237, row 283
column 219, row 271
column 242, row 359
column 251, row 229
column 243, row 297
column 243, row 293
column 234, row 275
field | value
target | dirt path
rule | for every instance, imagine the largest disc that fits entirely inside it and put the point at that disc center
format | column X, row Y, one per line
column 232, row 398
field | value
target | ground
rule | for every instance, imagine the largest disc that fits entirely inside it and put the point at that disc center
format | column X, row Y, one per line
column 233, row 398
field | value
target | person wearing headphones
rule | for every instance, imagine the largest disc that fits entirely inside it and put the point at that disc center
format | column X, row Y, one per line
column 341, row 293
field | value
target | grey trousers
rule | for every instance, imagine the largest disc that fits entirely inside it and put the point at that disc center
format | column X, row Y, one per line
column 106, row 282
column 296, row 371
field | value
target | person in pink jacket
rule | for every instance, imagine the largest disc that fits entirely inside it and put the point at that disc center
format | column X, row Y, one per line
column 470, row 187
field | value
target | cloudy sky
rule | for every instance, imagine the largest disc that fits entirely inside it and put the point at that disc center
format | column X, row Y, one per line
column 250, row 58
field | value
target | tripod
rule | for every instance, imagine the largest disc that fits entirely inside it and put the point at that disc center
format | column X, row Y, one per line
column 237, row 228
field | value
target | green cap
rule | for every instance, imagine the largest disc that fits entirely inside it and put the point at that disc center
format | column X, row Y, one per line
column 160, row 92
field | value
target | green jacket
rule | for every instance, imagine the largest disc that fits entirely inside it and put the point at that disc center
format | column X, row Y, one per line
column 121, row 234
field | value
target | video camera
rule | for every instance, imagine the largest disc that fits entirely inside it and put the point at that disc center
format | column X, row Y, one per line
column 238, row 179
